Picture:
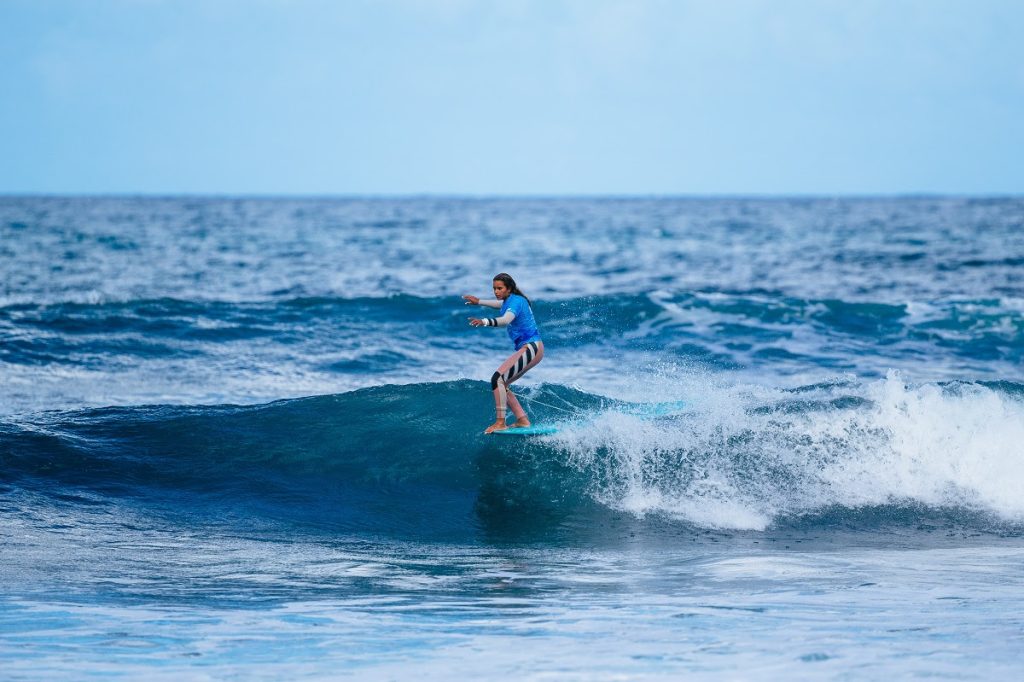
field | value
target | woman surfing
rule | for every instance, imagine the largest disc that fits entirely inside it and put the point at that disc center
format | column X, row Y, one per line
column 516, row 314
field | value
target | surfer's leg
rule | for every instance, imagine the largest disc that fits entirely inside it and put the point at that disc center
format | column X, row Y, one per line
column 500, row 400
column 523, row 361
column 527, row 357
column 513, row 367
column 500, row 395
column 513, row 404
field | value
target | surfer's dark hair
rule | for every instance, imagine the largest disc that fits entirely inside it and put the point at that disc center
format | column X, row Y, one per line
column 510, row 284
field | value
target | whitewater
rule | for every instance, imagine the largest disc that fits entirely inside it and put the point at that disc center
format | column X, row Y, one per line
column 241, row 437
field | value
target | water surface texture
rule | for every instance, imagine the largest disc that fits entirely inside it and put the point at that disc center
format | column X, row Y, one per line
column 241, row 438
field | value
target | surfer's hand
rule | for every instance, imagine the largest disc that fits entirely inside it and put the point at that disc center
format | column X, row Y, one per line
column 471, row 300
column 475, row 322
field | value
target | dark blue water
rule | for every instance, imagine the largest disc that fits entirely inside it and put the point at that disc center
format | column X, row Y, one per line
column 243, row 438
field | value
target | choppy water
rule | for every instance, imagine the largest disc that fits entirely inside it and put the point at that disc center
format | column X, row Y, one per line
column 242, row 438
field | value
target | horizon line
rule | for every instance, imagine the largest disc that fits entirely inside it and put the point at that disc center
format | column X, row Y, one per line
column 485, row 196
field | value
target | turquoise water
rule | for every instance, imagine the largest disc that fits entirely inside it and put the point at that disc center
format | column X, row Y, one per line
column 242, row 438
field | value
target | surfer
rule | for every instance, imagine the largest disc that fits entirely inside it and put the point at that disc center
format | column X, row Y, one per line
column 515, row 313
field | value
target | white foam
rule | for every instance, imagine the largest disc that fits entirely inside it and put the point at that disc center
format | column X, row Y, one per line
column 741, row 456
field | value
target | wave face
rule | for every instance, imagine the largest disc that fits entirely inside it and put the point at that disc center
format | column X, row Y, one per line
column 405, row 461
column 409, row 461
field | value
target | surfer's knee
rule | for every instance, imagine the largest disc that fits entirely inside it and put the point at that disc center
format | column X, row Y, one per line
column 495, row 378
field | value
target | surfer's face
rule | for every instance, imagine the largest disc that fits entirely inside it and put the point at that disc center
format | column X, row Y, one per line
column 501, row 292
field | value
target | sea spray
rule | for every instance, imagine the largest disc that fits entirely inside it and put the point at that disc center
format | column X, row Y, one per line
column 745, row 456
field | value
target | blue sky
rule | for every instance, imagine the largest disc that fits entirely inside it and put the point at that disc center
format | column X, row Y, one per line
column 531, row 97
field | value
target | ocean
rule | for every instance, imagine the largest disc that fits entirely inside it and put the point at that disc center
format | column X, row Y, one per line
column 241, row 438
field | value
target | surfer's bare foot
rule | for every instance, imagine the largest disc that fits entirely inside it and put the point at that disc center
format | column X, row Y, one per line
column 521, row 423
column 496, row 426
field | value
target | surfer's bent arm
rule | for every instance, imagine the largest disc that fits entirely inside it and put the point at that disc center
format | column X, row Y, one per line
column 494, row 321
column 493, row 303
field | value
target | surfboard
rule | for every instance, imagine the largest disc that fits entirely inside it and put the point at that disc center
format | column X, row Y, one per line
column 643, row 410
column 534, row 430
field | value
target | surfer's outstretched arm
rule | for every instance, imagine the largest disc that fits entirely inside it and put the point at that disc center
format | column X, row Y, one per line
column 490, row 303
column 502, row 321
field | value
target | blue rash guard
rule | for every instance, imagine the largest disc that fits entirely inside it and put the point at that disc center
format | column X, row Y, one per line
column 523, row 329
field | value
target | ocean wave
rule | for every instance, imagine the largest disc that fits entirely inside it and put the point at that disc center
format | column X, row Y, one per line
column 185, row 352
column 585, row 319
column 410, row 460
